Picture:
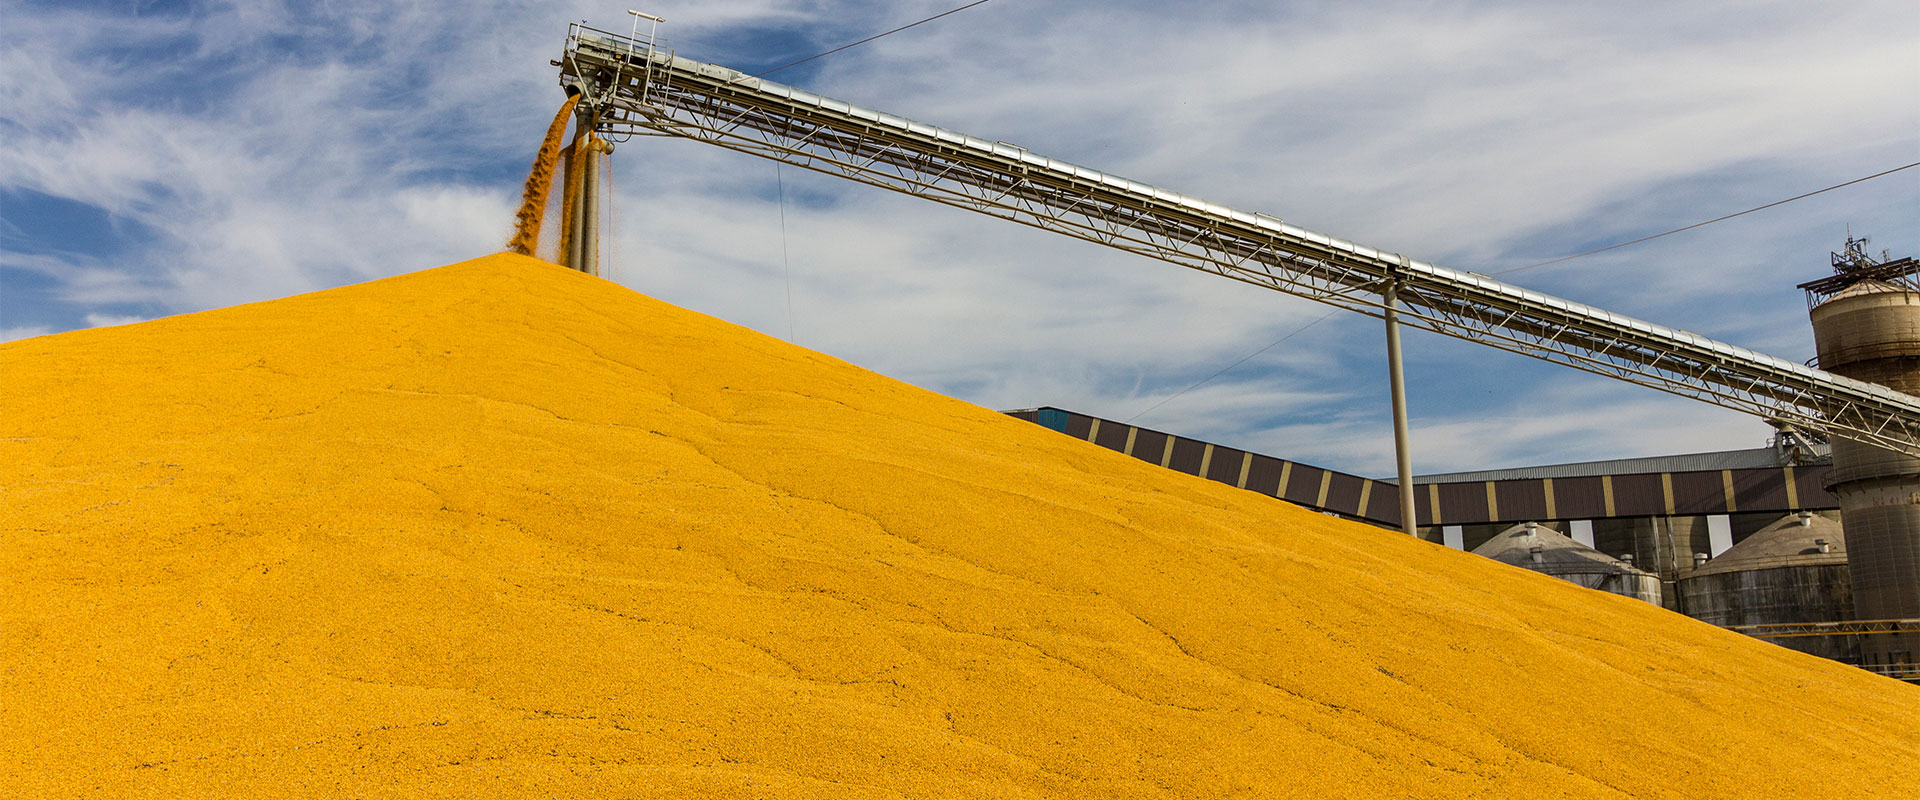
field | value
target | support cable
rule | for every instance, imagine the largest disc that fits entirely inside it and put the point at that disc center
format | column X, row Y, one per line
column 611, row 270
column 603, row 185
column 1711, row 221
column 871, row 38
column 786, row 266
column 1249, row 356
column 1228, row 368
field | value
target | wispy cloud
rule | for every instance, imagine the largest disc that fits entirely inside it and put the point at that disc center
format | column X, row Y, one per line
column 8, row 334
column 97, row 320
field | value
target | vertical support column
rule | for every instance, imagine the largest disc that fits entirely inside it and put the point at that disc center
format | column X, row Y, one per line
column 589, row 261
column 570, row 257
column 582, row 249
column 1397, row 386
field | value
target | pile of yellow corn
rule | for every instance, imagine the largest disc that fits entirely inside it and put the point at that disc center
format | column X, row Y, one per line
column 502, row 529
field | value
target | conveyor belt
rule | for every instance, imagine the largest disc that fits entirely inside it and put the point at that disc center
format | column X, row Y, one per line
column 636, row 88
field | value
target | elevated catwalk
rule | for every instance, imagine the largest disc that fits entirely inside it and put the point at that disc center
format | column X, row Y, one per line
column 641, row 89
column 1734, row 482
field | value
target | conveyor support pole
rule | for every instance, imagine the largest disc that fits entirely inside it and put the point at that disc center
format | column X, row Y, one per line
column 1397, row 386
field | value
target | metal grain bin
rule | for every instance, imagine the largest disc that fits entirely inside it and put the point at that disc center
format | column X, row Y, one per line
column 1544, row 550
column 1794, row 570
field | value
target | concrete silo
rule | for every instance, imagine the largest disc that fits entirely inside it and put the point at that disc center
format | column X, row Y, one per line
column 1547, row 551
column 1794, row 570
column 1866, row 325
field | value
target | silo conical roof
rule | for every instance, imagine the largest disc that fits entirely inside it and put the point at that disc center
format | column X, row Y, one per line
column 1866, row 286
column 504, row 529
column 1784, row 543
column 1558, row 553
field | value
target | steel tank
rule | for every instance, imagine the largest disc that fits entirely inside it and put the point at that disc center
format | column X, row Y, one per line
column 1544, row 550
column 1792, row 571
column 1870, row 331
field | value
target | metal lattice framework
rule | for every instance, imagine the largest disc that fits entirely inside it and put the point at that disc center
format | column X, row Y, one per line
column 637, row 88
column 1790, row 630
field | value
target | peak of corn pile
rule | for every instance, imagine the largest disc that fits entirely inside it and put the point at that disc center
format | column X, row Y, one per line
column 500, row 528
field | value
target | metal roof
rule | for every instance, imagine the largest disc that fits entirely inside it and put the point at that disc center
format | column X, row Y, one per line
column 1788, row 542
column 1558, row 554
column 1757, row 458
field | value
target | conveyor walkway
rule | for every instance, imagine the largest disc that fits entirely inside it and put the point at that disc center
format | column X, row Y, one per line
column 634, row 87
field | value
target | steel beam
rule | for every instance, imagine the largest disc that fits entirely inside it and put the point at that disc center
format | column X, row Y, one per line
column 1858, row 627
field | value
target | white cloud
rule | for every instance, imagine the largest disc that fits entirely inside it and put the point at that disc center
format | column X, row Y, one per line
column 97, row 320
column 9, row 334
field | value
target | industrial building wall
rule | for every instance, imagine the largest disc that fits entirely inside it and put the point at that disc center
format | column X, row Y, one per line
column 1761, row 492
column 1658, row 520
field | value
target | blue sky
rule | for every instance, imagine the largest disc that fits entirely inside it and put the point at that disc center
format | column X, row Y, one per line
column 160, row 158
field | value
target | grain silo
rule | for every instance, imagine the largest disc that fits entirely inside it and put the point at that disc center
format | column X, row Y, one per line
column 1544, row 550
column 1792, row 571
column 1866, row 325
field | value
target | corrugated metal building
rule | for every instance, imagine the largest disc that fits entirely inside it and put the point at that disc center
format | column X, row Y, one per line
column 1655, row 512
column 1647, row 516
column 1661, row 510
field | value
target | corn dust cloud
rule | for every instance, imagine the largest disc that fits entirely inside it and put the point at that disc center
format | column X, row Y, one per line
column 502, row 529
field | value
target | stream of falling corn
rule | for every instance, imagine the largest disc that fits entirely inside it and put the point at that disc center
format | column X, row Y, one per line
column 503, row 529
column 533, row 198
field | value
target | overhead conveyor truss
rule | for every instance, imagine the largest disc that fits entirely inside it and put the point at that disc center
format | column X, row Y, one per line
column 1787, row 630
column 646, row 90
